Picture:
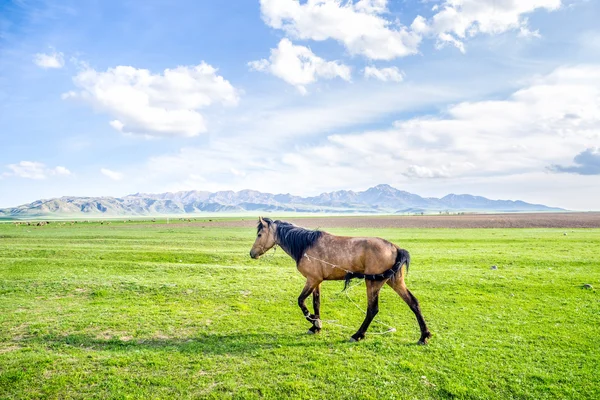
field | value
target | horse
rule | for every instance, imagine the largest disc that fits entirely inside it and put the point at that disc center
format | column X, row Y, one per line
column 321, row 256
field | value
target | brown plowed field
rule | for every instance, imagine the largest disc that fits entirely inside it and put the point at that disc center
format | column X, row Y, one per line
column 525, row 220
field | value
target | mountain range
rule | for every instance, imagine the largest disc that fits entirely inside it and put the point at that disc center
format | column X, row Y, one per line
column 378, row 199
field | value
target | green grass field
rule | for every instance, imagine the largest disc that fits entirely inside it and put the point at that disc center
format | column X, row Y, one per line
column 122, row 311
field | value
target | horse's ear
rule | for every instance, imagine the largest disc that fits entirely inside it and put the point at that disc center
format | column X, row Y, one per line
column 261, row 220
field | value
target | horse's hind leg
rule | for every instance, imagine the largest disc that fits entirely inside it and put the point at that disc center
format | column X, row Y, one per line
column 373, row 288
column 397, row 283
column 312, row 318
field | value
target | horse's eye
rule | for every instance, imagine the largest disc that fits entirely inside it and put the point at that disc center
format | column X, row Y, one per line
column 260, row 234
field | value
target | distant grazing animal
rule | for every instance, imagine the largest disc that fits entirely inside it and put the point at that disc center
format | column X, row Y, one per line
column 321, row 256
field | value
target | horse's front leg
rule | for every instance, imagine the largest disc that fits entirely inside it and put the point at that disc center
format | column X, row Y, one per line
column 317, row 325
column 308, row 289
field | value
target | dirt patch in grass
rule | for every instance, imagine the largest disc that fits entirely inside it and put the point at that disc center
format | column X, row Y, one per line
column 9, row 348
column 517, row 220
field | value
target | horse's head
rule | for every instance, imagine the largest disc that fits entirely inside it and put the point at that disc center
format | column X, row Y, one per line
column 265, row 237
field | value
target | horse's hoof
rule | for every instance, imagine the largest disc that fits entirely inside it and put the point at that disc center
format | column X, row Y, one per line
column 424, row 339
column 309, row 332
column 318, row 324
column 357, row 338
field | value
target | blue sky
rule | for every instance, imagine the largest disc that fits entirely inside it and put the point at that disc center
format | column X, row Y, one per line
column 497, row 98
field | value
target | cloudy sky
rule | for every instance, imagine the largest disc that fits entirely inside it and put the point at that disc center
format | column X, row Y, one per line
column 499, row 98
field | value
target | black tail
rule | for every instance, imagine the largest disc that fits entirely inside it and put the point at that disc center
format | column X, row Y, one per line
column 402, row 257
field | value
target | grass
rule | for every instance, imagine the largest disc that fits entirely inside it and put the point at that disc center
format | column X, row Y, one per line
column 125, row 311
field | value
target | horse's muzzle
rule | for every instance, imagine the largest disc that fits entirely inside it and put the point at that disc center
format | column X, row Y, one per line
column 253, row 255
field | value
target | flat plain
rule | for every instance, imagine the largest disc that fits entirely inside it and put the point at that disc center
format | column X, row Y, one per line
column 179, row 310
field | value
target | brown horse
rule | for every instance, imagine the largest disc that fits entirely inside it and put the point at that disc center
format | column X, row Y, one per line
column 321, row 256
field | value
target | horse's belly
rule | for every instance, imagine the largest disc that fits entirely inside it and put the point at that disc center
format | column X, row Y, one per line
column 334, row 275
column 312, row 270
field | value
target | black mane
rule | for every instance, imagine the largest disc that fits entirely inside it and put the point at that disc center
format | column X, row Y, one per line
column 260, row 225
column 293, row 239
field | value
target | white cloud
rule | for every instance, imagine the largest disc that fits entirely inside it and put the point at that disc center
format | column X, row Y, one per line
column 149, row 104
column 52, row 60
column 371, row 6
column 549, row 120
column 457, row 20
column 61, row 171
column 444, row 39
column 384, row 74
column 417, row 171
column 34, row 170
column 362, row 27
column 359, row 26
column 237, row 173
column 114, row 175
column 299, row 66
column 525, row 32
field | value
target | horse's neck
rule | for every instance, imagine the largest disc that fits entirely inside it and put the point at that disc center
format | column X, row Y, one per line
column 286, row 251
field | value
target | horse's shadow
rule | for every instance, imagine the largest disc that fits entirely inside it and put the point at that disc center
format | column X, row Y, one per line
column 206, row 343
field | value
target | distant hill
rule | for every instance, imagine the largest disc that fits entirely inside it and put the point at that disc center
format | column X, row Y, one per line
column 378, row 199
